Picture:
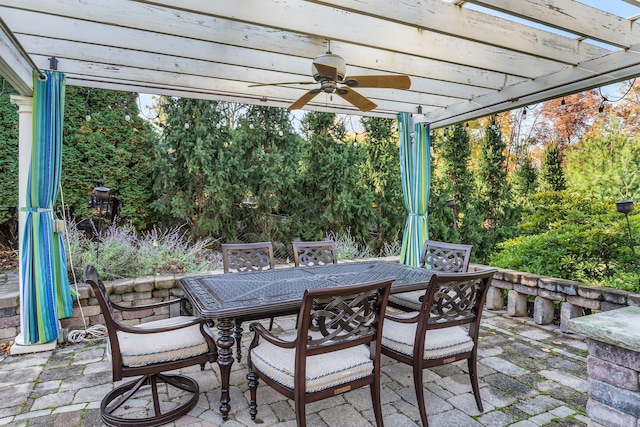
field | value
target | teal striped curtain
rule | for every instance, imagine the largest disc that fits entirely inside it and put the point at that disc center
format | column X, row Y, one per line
column 415, row 172
column 45, row 292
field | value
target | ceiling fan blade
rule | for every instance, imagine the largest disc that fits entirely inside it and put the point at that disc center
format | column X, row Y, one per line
column 283, row 83
column 391, row 81
column 326, row 70
column 363, row 103
column 302, row 101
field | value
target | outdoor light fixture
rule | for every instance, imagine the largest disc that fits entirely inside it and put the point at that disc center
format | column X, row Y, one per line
column 451, row 204
column 625, row 207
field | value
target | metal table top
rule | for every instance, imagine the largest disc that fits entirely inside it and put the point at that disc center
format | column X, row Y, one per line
column 261, row 293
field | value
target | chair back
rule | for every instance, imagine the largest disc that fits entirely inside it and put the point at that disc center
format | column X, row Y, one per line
column 456, row 299
column 314, row 253
column 239, row 257
column 342, row 317
column 446, row 257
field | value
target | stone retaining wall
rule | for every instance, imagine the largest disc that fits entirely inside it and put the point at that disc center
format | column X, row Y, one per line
column 573, row 297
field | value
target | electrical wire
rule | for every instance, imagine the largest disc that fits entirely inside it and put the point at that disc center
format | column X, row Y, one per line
column 94, row 332
column 622, row 97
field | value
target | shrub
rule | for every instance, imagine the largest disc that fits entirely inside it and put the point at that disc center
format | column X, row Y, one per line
column 119, row 252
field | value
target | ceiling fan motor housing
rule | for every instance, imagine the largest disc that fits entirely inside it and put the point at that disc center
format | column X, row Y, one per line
column 330, row 60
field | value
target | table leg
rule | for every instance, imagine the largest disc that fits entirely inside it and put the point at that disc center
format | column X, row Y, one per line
column 225, row 361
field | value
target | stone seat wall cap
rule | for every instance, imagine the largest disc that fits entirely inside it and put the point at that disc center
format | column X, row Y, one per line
column 617, row 327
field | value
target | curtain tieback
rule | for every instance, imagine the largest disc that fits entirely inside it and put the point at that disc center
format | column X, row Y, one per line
column 415, row 214
column 36, row 210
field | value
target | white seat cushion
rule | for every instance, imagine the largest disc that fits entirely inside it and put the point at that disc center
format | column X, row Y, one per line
column 147, row 349
column 410, row 299
column 323, row 371
column 438, row 343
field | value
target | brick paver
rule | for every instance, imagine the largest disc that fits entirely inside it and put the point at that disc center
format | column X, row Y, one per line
column 529, row 376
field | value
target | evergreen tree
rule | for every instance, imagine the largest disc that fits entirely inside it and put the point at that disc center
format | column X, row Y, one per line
column 270, row 153
column 381, row 173
column 606, row 165
column 333, row 195
column 551, row 174
column 494, row 194
column 113, row 149
column 197, row 169
column 525, row 180
column 454, row 182
column 8, row 167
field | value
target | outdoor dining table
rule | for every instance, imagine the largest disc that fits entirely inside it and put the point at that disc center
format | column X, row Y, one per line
column 261, row 294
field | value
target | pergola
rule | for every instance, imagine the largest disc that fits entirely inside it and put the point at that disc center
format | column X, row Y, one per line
column 466, row 59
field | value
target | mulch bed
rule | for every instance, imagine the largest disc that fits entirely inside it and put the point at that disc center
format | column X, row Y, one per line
column 8, row 259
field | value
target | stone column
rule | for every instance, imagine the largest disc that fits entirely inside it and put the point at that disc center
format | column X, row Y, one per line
column 613, row 364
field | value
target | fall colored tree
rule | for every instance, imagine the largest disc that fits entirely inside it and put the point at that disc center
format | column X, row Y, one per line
column 565, row 120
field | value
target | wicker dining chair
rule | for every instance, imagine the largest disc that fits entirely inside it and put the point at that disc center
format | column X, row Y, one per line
column 148, row 351
column 314, row 253
column 443, row 331
column 243, row 257
column 437, row 256
column 336, row 348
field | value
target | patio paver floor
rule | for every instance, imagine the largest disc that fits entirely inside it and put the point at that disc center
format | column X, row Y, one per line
column 529, row 376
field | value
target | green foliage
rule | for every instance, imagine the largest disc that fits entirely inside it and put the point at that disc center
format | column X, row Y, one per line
column 8, row 165
column 197, row 171
column 607, row 165
column 551, row 174
column 270, row 153
column 525, row 180
column 556, row 209
column 347, row 247
column 333, row 194
column 381, row 174
column 119, row 252
column 494, row 193
column 453, row 179
column 594, row 252
column 107, row 150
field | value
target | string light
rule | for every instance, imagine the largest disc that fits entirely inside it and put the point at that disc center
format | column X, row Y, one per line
column 87, row 115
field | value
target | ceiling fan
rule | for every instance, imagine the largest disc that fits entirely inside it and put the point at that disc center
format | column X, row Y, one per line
column 329, row 70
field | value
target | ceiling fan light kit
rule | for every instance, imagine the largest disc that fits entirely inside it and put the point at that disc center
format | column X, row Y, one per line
column 330, row 70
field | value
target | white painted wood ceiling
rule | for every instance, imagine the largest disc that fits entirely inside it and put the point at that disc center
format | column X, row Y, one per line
column 466, row 59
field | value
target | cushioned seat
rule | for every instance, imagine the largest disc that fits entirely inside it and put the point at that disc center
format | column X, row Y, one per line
column 441, row 343
column 336, row 348
column 147, row 351
column 323, row 371
column 444, row 330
